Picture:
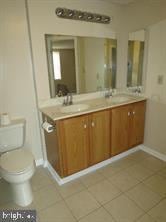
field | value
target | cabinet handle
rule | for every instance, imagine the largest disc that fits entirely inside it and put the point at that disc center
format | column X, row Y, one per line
column 128, row 113
column 93, row 124
column 85, row 126
column 133, row 112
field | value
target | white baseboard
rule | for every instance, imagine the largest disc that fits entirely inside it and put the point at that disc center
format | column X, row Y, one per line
column 53, row 173
column 39, row 162
column 61, row 181
column 153, row 152
column 74, row 176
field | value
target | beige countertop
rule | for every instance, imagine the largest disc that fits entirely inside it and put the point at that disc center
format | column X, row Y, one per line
column 55, row 112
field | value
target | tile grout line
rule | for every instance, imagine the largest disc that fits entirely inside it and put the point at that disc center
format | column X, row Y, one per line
column 155, row 206
column 64, row 199
column 86, row 214
column 85, row 188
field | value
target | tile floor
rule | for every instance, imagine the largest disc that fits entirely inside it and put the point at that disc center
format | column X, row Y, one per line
column 132, row 189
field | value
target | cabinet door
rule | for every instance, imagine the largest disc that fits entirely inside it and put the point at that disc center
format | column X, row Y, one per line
column 99, row 124
column 120, row 129
column 136, row 133
column 74, row 144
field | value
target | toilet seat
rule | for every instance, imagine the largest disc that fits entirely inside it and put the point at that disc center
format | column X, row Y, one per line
column 17, row 161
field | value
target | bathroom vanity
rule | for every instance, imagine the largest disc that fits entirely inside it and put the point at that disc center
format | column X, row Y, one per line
column 83, row 138
column 93, row 130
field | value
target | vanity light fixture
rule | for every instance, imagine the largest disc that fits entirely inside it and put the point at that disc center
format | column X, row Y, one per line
column 82, row 16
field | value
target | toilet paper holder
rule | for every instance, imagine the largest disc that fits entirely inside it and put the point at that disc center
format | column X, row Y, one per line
column 53, row 127
column 48, row 127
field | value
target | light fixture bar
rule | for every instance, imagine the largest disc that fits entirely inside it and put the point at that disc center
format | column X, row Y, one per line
column 82, row 16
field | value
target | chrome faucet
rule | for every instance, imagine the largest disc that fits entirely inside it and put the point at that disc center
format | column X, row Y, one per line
column 108, row 93
column 68, row 100
column 137, row 90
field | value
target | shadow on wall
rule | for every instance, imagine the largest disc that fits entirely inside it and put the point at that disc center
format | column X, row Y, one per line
column 155, row 126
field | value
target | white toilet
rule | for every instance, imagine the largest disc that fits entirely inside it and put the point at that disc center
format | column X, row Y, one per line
column 17, row 164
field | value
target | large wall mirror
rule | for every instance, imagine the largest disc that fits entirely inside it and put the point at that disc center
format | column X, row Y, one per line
column 80, row 64
column 136, row 44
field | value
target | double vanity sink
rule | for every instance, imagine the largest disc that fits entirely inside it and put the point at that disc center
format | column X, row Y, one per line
column 74, row 108
column 91, row 131
column 87, row 106
column 82, row 106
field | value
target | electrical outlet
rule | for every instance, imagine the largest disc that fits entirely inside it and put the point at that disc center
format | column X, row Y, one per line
column 160, row 79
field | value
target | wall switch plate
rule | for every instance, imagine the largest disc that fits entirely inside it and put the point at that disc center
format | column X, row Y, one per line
column 160, row 79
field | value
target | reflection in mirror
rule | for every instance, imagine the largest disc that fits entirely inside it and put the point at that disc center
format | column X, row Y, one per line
column 80, row 64
column 135, row 58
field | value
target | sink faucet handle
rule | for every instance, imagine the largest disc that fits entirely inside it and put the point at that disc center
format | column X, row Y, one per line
column 71, row 99
column 66, row 100
column 108, row 93
column 139, row 89
column 113, row 91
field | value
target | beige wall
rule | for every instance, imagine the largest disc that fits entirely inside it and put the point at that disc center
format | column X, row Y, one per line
column 17, row 93
column 125, row 19
column 155, row 128
column 140, row 15
column 156, row 110
column 156, row 64
column 43, row 20
column 138, row 35
column 94, row 64
column 143, row 13
column 1, row 71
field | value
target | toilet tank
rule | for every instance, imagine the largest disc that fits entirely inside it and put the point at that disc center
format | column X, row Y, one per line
column 12, row 135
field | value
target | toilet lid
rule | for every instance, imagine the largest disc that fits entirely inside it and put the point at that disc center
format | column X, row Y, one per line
column 16, row 161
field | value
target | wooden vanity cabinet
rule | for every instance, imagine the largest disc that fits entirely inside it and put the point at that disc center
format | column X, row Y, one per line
column 137, row 125
column 100, row 136
column 127, row 128
column 73, row 139
column 84, row 140
column 120, row 129
column 80, row 142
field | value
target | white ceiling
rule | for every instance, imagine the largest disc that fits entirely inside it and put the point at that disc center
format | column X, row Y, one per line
column 122, row 2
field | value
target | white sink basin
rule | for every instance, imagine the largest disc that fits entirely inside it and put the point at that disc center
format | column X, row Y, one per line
column 119, row 99
column 74, row 108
